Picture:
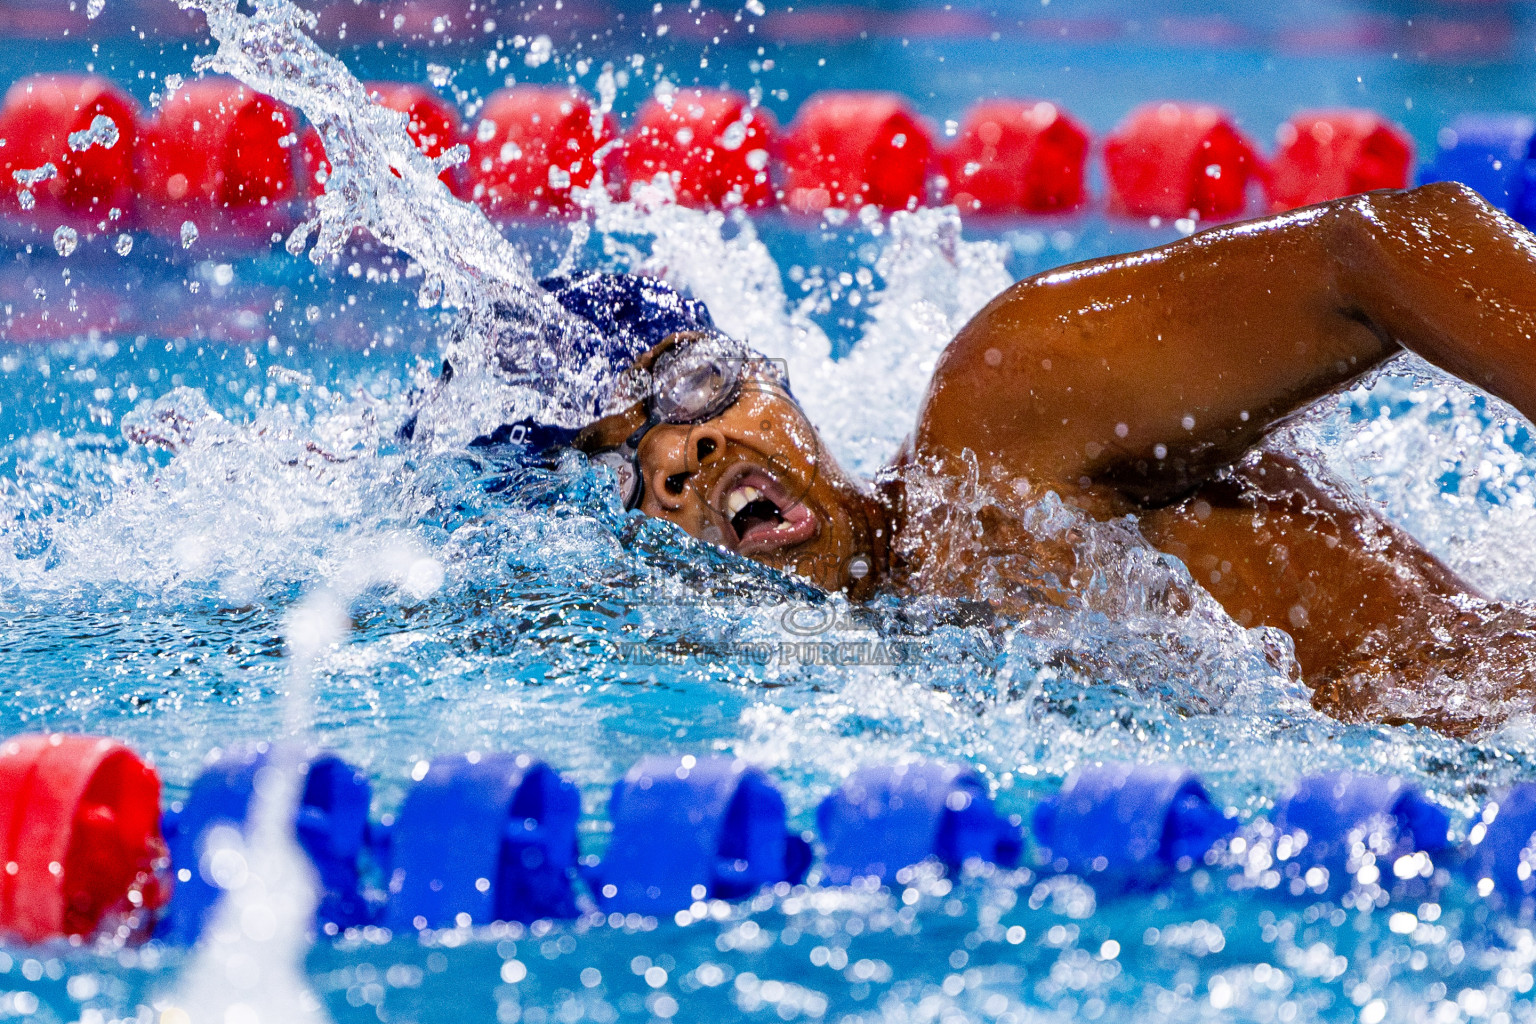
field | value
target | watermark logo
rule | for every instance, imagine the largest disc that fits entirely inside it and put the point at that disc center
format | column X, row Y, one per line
column 784, row 654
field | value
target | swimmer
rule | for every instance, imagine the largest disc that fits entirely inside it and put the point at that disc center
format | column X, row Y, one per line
column 1139, row 385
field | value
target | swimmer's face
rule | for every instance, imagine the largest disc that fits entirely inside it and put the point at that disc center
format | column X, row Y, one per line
column 755, row 479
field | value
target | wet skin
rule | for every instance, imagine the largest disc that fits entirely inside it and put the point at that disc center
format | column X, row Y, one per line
column 1142, row 385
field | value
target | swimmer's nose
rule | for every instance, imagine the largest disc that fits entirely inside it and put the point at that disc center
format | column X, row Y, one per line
column 679, row 453
column 705, row 445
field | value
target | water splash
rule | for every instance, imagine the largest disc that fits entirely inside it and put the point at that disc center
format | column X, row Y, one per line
column 548, row 590
column 867, row 401
column 248, row 966
column 465, row 262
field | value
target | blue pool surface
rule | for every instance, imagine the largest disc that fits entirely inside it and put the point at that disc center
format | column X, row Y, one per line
column 147, row 596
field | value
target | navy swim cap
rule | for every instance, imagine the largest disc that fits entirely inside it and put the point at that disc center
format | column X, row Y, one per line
column 632, row 314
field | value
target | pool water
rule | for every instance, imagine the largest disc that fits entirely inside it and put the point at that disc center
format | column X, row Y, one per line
column 150, row 596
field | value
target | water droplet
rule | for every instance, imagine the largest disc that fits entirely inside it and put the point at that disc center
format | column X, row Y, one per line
column 26, row 199
column 64, row 240
column 188, row 234
column 734, row 135
column 431, row 292
column 35, row 175
column 102, row 132
column 172, row 82
column 539, row 52
column 93, row 8
column 124, row 244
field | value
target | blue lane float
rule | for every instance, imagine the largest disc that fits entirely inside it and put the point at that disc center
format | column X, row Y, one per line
column 482, row 838
column 331, row 826
column 1491, row 153
column 1129, row 824
column 1503, row 857
column 687, row 828
column 1346, row 816
column 485, row 838
column 887, row 817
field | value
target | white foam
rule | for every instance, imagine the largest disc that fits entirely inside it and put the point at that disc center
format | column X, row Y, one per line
column 865, row 403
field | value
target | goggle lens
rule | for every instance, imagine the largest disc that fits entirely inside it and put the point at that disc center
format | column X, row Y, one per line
column 695, row 381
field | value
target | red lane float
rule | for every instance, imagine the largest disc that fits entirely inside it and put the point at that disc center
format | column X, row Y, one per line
column 433, row 125
column 1168, row 159
column 1325, row 154
column 532, row 146
column 711, row 142
column 79, row 835
column 1017, row 156
column 220, row 155
column 36, row 120
column 848, row 149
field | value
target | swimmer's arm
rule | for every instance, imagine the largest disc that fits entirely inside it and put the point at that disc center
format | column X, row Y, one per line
column 1136, row 376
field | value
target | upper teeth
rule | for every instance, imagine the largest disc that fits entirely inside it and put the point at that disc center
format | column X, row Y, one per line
column 740, row 498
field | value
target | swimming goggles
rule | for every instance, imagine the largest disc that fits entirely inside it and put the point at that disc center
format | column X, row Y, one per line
column 696, row 378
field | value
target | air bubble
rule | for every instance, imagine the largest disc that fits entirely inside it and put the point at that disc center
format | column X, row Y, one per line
column 124, row 244
column 188, row 234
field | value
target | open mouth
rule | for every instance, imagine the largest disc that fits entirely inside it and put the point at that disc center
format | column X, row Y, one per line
column 762, row 515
